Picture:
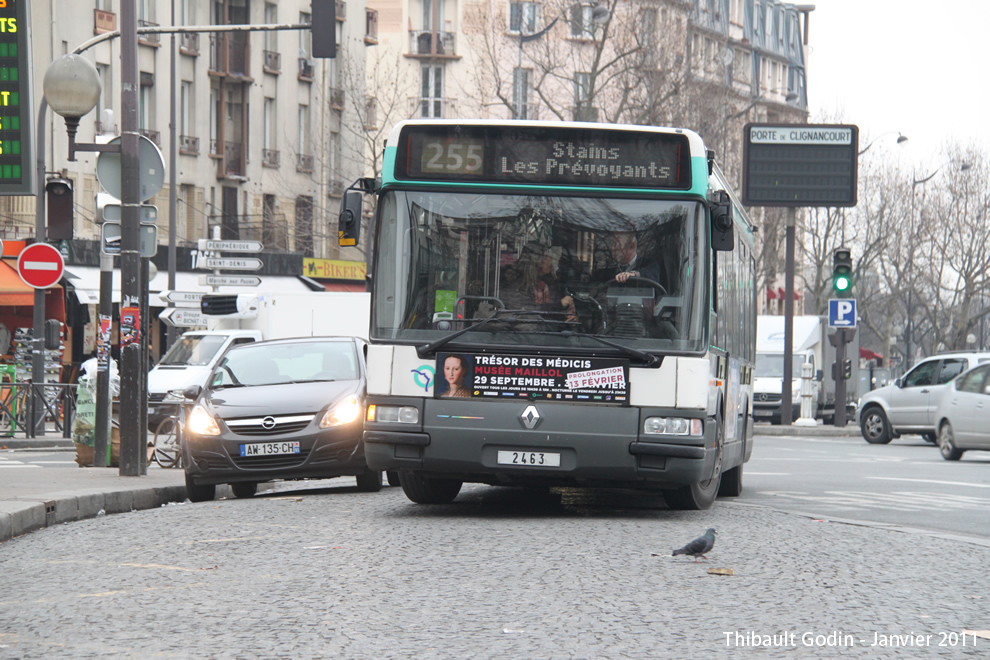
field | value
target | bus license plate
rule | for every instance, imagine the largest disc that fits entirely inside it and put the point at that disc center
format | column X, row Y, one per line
column 534, row 458
column 269, row 448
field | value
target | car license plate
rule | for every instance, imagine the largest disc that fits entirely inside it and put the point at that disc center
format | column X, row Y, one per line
column 762, row 413
column 269, row 448
column 533, row 458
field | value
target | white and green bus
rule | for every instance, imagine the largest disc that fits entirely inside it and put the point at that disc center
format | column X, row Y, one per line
column 557, row 304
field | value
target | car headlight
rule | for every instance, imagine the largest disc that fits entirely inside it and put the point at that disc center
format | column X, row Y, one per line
column 400, row 414
column 672, row 426
column 344, row 412
column 202, row 422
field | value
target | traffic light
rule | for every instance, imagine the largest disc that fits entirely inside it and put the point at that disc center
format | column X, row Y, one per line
column 58, row 198
column 847, row 369
column 324, row 28
column 842, row 266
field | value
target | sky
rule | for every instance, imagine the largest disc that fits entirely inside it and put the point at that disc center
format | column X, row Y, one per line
column 919, row 68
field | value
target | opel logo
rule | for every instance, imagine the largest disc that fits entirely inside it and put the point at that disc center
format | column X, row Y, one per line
column 268, row 423
column 530, row 417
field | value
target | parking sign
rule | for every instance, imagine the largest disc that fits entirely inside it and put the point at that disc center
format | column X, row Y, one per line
column 842, row 313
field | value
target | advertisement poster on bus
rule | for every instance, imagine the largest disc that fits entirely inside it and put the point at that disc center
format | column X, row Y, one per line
column 578, row 380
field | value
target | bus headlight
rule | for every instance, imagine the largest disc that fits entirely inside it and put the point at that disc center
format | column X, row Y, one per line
column 673, row 426
column 202, row 423
column 393, row 414
column 344, row 412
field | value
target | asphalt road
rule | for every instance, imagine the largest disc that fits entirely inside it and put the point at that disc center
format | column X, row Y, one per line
column 903, row 483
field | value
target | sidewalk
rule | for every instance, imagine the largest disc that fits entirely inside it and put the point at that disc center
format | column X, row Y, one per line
column 36, row 497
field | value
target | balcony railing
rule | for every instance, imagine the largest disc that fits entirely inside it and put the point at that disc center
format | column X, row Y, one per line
column 215, row 147
column 106, row 128
column 217, row 60
column 337, row 188
column 232, row 157
column 273, row 61
column 436, row 108
column 104, row 21
column 306, row 69
column 304, row 163
column 337, row 98
column 154, row 136
column 371, row 26
column 153, row 39
column 188, row 145
column 529, row 111
column 189, row 43
column 270, row 157
column 421, row 43
column 341, row 8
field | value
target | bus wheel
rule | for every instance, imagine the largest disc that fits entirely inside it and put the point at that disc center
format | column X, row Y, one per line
column 701, row 495
column 426, row 490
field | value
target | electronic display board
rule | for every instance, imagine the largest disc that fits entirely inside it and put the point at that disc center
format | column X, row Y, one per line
column 800, row 164
column 576, row 156
column 17, row 175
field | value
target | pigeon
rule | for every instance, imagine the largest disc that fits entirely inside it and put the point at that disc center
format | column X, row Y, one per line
column 699, row 546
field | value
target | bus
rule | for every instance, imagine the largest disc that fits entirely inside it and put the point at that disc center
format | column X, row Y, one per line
column 556, row 304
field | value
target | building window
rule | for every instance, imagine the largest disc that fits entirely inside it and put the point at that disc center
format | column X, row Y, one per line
column 303, row 134
column 271, row 36
column 270, row 125
column 304, row 226
column 431, row 96
column 187, row 12
column 187, row 108
column 647, row 35
column 305, row 37
column 106, row 95
column 146, row 106
column 522, row 17
column 582, row 25
column 428, row 8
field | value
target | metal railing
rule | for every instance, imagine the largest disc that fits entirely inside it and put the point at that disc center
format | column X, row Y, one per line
column 19, row 408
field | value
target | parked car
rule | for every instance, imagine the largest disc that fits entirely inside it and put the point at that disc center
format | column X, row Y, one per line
column 280, row 409
column 908, row 405
column 963, row 414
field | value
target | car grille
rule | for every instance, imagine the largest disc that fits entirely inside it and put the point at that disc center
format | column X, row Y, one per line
column 278, row 461
column 269, row 426
column 765, row 397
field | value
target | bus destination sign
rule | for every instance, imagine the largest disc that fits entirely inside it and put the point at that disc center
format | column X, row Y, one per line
column 537, row 156
column 16, row 136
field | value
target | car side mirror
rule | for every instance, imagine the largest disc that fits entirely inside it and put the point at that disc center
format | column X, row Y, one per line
column 899, row 382
column 192, row 392
column 349, row 222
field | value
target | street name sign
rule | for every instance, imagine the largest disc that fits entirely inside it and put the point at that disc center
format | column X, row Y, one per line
column 182, row 296
column 229, row 263
column 183, row 317
column 40, row 265
column 229, row 246
column 229, row 280
column 110, row 233
column 842, row 313
column 149, row 213
column 800, row 164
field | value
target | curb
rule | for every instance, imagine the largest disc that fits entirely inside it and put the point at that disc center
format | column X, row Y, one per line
column 36, row 443
column 18, row 517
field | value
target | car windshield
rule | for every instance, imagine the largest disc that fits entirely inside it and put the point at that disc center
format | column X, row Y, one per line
column 546, row 266
column 771, row 365
column 193, row 350
column 297, row 362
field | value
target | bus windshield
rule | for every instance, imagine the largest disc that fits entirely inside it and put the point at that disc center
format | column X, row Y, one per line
column 548, row 268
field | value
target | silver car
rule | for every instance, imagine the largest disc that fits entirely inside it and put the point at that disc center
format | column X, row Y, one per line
column 963, row 413
column 908, row 405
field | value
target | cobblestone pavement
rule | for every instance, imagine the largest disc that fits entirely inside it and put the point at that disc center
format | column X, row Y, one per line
column 500, row 573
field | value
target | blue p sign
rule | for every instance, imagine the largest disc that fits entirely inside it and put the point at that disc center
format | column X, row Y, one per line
column 842, row 313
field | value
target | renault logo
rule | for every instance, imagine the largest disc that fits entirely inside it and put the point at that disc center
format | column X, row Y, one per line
column 530, row 417
column 268, row 423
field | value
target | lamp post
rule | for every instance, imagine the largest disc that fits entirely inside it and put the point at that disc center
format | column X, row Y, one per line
column 901, row 139
column 599, row 16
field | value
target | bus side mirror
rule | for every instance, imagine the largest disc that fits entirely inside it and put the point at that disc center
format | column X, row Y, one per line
column 349, row 222
column 722, row 236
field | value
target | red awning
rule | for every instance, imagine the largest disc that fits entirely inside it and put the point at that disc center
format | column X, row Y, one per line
column 13, row 291
column 359, row 287
column 771, row 294
column 867, row 354
column 782, row 295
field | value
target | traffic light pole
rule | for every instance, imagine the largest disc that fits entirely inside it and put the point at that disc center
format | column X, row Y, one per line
column 839, row 417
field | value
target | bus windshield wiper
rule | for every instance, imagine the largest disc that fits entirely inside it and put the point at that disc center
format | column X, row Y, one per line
column 649, row 359
column 427, row 349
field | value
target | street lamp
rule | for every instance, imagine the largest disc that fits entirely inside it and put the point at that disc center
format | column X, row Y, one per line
column 599, row 16
column 901, row 139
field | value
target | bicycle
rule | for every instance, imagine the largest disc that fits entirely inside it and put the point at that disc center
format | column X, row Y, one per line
column 167, row 444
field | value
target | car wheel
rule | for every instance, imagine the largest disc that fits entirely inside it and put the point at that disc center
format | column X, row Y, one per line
column 930, row 437
column 427, row 490
column 244, row 489
column 393, row 477
column 199, row 492
column 947, row 443
column 369, row 481
column 874, row 425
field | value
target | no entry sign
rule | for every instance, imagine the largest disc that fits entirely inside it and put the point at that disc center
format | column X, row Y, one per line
column 40, row 265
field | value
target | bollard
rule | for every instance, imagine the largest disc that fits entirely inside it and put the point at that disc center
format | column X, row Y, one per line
column 807, row 417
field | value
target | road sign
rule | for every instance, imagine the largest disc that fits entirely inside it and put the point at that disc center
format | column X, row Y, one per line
column 40, row 265
column 17, row 140
column 842, row 313
column 230, row 246
column 229, row 280
column 182, row 296
column 149, row 213
column 800, row 164
column 110, row 232
column 212, row 263
column 151, row 169
column 183, row 317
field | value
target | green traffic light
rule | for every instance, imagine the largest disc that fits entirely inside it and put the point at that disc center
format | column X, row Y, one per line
column 842, row 283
